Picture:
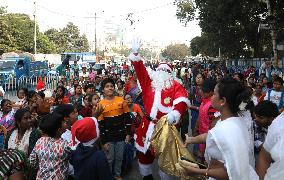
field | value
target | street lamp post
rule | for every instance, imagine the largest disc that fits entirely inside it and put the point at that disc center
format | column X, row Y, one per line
column 273, row 35
column 96, row 33
column 35, row 28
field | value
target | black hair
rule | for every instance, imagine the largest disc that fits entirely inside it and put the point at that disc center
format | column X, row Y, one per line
column 19, row 114
column 278, row 79
column 61, row 87
column 241, row 76
column 76, row 85
column 89, row 86
column 126, row 95
column 25, row 91
column 4, row 101
column 51, row 123
column 235, row 93
column 86, row 95
column 120, row 81
column 91, row 97
column 64, row 109
column 105, row 81
column 41, row 94
column 31, row 93
column 203, row 76
column 266, row 109
column 208, row 85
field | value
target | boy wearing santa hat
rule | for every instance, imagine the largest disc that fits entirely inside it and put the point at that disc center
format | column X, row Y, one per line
column 88, row 161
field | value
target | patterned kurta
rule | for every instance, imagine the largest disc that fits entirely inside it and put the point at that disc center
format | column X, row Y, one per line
column 51, row 155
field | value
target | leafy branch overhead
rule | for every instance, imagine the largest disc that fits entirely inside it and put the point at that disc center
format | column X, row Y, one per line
column 17, row 34
column 185, row 10
column 232, row 25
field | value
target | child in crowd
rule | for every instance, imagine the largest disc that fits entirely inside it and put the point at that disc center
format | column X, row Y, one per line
column 276, row 95
column 86, row 110
column 264, row 113
column 206, row 112
column 70, row 115
column 115, row 124
column 88, row 161
column 22, row 97
column 94, row 99
column 51, row 153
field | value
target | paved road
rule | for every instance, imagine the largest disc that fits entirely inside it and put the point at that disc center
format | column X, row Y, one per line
column 134, row 174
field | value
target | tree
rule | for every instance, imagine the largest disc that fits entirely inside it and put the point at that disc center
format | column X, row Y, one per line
column 68, row 39
column 176, row 51
column 230, row 25
column 17, row 34
column 122, row 51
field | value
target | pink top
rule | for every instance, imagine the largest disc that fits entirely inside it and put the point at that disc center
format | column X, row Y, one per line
column 206, row 112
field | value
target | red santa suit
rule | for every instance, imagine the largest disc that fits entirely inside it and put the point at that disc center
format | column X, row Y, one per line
column 172, row 101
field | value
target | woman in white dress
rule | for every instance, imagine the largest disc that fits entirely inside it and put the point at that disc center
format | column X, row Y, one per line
column 228, row 151
column 270, row 164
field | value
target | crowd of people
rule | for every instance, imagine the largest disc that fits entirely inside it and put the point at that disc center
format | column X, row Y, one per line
column 86, row 128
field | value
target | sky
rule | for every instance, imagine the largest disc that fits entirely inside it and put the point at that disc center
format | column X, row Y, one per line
column 154, row 20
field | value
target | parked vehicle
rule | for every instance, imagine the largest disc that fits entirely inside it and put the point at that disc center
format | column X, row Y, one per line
column 20, row 67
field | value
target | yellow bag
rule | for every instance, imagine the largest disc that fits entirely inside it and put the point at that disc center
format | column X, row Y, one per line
column 168, row 147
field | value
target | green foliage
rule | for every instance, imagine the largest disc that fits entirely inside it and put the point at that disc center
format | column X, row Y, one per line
column 68, row 39
column 122, row 51
column 176, row 51
column 17, row 34
column 185, row 10
column 147, row 53
column 232, row 25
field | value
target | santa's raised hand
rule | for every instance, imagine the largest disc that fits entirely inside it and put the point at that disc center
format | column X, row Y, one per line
column 136, row 45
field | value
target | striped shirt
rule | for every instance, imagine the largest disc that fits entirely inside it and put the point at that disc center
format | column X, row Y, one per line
column 115, row 120
column 11, row 161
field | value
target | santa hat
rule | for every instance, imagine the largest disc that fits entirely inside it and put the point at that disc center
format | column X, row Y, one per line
column 86, row 131
column 40, row 85
column 166, row 66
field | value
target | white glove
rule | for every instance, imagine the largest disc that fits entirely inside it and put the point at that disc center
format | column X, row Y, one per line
column 136, row 45
column 173, row 117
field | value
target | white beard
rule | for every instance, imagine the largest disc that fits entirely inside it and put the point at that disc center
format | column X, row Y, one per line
column 161, row 80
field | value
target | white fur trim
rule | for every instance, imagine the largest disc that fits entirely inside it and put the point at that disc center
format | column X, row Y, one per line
column 154, row 109
column 164, row 66
column 132, row 57
column 149, row 134
column 176, row 115
column 147, row 141
column 173, row 117
column 181, row 99
column 164, row 109
column 157, row 106
column 145, row 169
column 90, row 143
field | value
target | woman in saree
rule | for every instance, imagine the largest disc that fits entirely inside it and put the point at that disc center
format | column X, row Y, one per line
column 228, row 151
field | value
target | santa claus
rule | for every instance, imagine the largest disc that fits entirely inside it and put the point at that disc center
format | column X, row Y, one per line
column 162, row 95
